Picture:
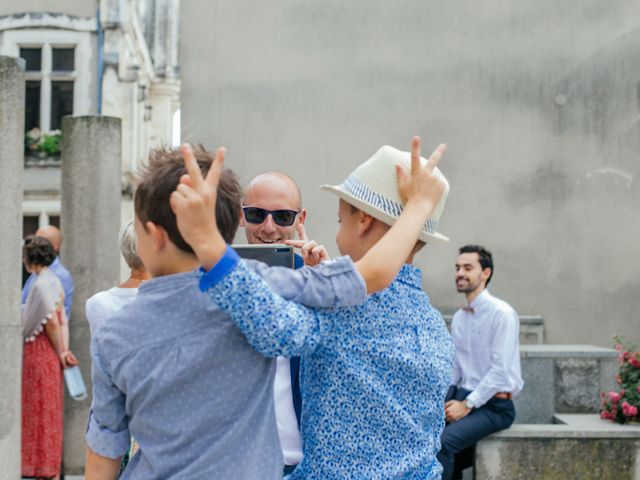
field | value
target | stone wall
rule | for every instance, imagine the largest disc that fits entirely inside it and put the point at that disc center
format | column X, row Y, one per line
column 582, row 447
column 563, row 379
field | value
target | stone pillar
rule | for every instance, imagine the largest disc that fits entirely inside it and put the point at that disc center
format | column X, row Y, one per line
column 91, row 196
column 12, row 91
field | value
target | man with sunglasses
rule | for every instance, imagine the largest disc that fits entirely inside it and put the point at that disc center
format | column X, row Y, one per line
column 272, row 213
column 272, row 208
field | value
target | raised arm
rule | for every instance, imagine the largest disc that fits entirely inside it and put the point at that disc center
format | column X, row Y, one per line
column 272, row 325
column 420, row 189
column 194, row 201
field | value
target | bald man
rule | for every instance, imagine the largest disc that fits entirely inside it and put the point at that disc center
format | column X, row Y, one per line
column 272, row 208
column 273, row 213
column 52, row 234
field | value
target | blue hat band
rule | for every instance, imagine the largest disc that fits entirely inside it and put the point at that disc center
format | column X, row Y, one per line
column 362, row 192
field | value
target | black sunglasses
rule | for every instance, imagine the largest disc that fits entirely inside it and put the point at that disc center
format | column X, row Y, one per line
column 283, row 218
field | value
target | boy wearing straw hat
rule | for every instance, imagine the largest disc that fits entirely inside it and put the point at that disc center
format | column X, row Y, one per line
column 374, row 376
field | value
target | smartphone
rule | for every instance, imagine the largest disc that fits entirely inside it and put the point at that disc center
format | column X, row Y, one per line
column 274, row 255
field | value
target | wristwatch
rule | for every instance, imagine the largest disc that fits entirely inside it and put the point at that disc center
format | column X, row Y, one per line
column 468, row 403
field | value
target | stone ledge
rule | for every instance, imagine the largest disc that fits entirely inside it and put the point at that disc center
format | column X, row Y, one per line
column 573, row 351
column 583, row 447
column 570, row 425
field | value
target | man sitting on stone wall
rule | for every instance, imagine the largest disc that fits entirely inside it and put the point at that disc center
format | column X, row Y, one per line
column 486, row 373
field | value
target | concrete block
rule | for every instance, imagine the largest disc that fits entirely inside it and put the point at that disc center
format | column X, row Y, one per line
column 577, row 385
column 581, row 447
column 535, row 403
column 563, row 379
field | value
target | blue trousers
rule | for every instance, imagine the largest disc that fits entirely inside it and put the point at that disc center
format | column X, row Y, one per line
column 496, row 414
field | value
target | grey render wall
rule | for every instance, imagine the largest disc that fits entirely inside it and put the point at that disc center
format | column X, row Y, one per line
column 83, row 8
column 538, row 103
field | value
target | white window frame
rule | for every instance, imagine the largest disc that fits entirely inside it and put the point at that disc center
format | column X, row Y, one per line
column 43, row 209
column 47, row 39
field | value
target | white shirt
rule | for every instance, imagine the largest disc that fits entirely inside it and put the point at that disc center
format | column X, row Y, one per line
column 285, row 414
column 104, row 304
column 487, row 345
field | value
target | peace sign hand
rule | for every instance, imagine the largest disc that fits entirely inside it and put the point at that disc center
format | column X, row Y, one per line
column 194, row 203
column 421, row 185
column 312, row 253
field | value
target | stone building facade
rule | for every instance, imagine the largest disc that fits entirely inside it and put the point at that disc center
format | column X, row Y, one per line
column 110, row 57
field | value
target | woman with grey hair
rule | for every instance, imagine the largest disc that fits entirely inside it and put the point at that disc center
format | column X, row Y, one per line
column 103, row 304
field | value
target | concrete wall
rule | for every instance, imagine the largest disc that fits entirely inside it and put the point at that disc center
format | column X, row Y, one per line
column 560, row 379
column 11, row 160
column 538, row 102
column 578, row 446
column 84, row 8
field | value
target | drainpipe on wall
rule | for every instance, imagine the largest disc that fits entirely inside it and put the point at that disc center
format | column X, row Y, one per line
column 100, row 59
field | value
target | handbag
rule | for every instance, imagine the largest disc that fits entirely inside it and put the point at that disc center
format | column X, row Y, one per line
column 75, row 384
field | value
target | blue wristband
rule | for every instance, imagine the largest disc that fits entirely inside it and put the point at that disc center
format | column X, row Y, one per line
column 221, row 269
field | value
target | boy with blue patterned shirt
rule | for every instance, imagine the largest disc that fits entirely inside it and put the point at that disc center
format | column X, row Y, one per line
column 374, row 376
column 174, row 371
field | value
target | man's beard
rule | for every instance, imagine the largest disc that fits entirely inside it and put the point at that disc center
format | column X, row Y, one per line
column 470, row 287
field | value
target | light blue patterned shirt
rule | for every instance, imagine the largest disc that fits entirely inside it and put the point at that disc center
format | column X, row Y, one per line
column 374, row 377
column 173, row 371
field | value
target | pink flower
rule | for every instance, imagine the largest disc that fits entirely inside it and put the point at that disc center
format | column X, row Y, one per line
column 633, row 360
column 623, row 357
column 629, row 410
column 638, row 389
column 614, row 396
column 606, row 415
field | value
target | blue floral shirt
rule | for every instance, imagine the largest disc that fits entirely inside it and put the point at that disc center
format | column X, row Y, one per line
column 374, row 376
column 175, row 372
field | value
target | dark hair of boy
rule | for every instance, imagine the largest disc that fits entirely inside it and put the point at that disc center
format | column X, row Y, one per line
column 486, row 259
column 158, row 180
column 38, row 251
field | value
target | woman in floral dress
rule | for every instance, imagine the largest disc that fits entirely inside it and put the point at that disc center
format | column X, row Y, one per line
column 44, row 356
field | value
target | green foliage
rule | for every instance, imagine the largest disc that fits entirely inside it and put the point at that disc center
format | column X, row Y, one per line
column 43, row 143
column 50, row 144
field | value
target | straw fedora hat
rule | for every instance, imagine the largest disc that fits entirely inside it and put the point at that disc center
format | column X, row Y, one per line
column 373, row 188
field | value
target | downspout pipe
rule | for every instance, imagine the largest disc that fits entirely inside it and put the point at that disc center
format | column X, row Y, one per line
column 100, row 59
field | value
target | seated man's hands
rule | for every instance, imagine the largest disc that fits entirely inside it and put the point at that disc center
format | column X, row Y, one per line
column 312, row 253
column 455, row 410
